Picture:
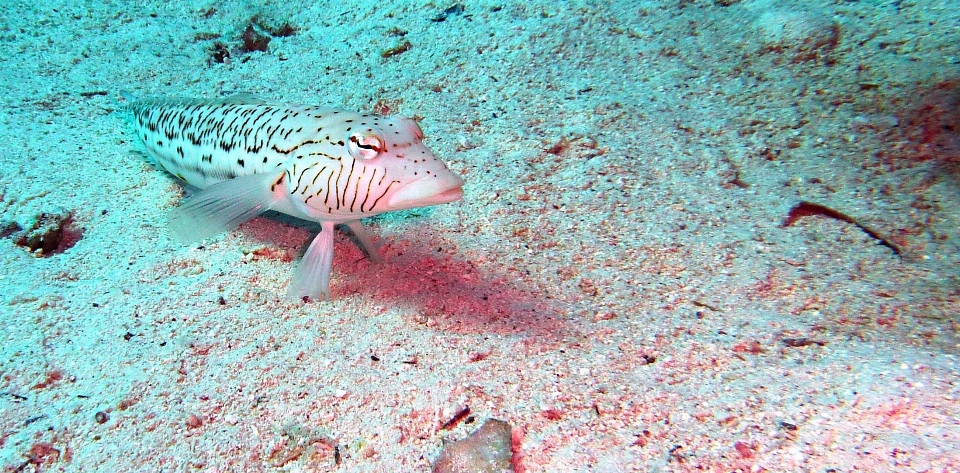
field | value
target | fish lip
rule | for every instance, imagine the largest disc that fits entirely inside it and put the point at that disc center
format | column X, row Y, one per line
column 450, row 195
column 428, row 191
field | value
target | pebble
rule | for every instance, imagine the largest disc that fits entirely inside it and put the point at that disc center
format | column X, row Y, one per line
column 488, row 450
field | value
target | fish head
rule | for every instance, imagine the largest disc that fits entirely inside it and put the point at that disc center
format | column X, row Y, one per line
column 423, row 179
column 383, row 165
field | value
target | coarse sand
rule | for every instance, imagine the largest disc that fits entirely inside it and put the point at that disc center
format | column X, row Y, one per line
column 697, row 236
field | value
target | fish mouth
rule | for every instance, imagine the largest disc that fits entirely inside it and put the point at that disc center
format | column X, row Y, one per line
column 434, row 190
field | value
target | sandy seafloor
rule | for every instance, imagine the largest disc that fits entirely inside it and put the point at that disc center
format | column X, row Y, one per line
column 618, row 283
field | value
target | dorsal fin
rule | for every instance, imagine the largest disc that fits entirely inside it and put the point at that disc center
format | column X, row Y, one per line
column 243, row 98
column 238, row 99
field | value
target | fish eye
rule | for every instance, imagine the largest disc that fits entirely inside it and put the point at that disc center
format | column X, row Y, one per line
column 365, row 145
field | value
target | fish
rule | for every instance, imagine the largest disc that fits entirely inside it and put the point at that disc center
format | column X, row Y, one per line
column 320, row 164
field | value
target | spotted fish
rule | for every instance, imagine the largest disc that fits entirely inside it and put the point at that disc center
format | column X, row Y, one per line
column 315, row 163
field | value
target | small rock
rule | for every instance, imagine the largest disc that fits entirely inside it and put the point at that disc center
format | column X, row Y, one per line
column 487, row 450
column 193, row 421
column 254, row 40
column 49, row 233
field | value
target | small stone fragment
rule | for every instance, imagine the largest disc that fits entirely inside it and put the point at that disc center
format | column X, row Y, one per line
column 398, row 49
column 487, row 450
column 193, row 421
column 453, row 10
column 254, row 40
column 219, row 53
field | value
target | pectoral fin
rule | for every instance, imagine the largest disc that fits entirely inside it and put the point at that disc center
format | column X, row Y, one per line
column 223, row 206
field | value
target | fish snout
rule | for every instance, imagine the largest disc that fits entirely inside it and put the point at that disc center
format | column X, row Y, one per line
column 441, row 187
